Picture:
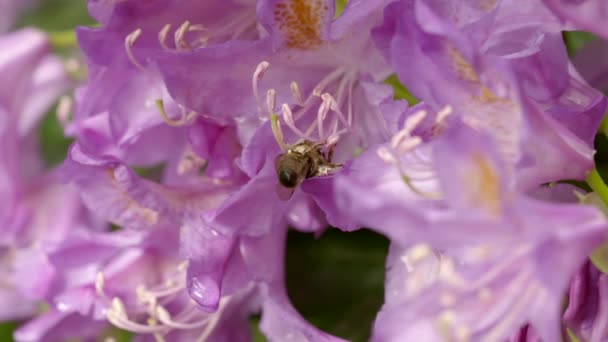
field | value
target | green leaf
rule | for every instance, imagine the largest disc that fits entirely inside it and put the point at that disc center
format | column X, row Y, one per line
column 53, row 144
column 116, row 335
column 575, row 40
column 401, row 92
column 254, row 322
column 337, row 281
column 57, row 15
column 6, row 331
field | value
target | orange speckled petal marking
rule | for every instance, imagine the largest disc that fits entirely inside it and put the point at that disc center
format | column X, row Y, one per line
column 300, row 24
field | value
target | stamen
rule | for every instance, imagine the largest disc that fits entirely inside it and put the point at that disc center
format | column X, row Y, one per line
column 334, row 106
column 408, row 144
column 180, row 42
column 271, row 100
column 257, row 76
column 408, row 181
column 414, row 120
column 190, row 162
column 64, row 110
column 117, row 315
column 276, row 131
column 99, row 284
column 443, row 114
column 297, row 94
column 162, row 36
column 164, row 317
column 129, row 42
column 322, row 114
column 386, row 155
column 288, row 118
column 389, row 156
column 333, row 140
column 185, row 119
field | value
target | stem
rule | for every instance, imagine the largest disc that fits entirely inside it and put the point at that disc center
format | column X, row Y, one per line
column 598, row 186
column 63, row 39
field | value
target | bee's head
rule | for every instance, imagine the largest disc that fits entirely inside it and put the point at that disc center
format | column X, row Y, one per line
column 289, row 178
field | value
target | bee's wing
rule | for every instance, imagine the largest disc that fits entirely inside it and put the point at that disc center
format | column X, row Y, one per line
column 283, row 192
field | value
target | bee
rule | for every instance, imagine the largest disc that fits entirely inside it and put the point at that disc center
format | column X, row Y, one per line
column 302, row 161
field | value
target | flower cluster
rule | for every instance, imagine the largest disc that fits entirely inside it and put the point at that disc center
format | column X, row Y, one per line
column 205, row 130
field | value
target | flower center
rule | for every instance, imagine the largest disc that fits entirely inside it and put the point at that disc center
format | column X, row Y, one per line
column 301, row 22
column 328, row 128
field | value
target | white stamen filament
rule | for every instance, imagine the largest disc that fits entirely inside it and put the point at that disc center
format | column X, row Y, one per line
column 409, row 144
column 326, row 127
column 386, row 155
column 414, row 120
column 179, row 37
column 296, row 93
column 513, row 314
column 117, row 315
column 164, row 317
column 160, row 321
column 162, row 37
column 130, row 40
column 333, row 105
column 100, row 284
column 64, row 110
column 257, row 76
column 181, row 43
column 443, row 114
column 271, row 100
column 288, row 118
column 186, row 119
column 321, row 115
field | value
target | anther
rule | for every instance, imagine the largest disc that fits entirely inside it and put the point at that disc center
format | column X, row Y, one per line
column 443, row 114
column 386, row 155
column 414, row 120
column 99, row 284
column 64, row 110
column 130, row 40
column 257, row 76
column 162, row 36
column 297, row 94
column 180, row 42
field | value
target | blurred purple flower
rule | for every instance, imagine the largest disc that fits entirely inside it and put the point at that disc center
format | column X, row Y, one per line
column 500, row 279
column 523, row 97
column 585, row 15
column 31, row 216
column 10, row 10
column 587, row 305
